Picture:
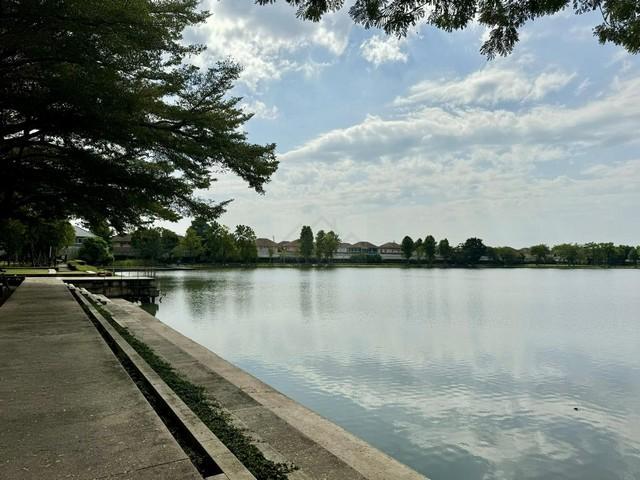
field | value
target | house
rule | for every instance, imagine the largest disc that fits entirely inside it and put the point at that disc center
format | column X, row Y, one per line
column 362, row 248
column 289, row 249
column 121, row 246
column 267, row 248
column 390, row 251
column 342, row 252
column 81, row 235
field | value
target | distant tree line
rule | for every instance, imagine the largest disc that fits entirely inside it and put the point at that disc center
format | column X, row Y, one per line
column 43, row 243
column 324, row 247
column 474, row 251
column 203, row 242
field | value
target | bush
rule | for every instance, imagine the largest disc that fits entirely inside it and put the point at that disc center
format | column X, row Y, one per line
column 364, row 258
column 95, row 251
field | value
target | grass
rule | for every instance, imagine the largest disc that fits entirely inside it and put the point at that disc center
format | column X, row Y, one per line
column 209, row 411
column 132, row 262
column 24, row 271
column 80, row 266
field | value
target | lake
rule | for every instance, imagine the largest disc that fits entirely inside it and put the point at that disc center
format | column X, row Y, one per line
column 459, row 373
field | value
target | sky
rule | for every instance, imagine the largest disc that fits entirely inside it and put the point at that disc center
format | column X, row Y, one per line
column 379, row 138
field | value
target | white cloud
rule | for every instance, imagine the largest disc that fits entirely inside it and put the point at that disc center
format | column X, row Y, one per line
column 261, row 110
column 488, row 86
column 381, row 49
column 466, row 171
column 268, row 41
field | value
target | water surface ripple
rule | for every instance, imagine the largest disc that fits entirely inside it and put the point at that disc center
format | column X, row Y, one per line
column 461, row 374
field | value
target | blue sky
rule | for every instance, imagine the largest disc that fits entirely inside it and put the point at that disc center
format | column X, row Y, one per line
column 380, row 137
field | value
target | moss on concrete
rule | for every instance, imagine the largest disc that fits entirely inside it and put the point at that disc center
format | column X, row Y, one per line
column 208, row 410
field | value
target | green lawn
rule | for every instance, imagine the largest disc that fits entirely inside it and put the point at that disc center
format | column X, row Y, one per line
column 24, row 271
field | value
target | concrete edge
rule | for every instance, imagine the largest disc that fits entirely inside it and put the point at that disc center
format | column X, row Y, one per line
column 210, row 443
column 354, row 451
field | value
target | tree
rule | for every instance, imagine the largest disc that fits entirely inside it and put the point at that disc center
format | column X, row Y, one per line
column 621, row 18
column 168, row 242
column 12, row 239
column 320, row 244
column 46, row 238
column 634, row 254
column 472, row 249
column 540, row 252
column 508, row 255
column 430, row 248
column 245, row 239
column 35, row 241
column 326, row 244
column 191, row 245
column 219, row 243
column 331, row 244
column 418, row 248
column 148, row 243
column 103, row 115
column 95, row 251
column 567, row 252
column 306, row 242
column 444, row 249
column 407, row 247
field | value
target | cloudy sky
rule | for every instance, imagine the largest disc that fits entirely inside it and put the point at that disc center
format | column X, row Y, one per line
column 379, row 137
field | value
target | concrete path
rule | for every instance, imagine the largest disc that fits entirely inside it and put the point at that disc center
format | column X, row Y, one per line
column 67, row 407
column 285, row 430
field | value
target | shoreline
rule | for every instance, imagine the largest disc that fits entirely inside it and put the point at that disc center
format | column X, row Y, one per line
column 318, row 266
column 284, row 430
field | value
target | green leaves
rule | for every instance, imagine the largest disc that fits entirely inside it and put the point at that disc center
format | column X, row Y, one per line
column 102, row 117
column 621, row 18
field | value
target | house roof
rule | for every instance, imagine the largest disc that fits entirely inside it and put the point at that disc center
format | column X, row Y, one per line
column 122, row 238
column 81, row 232
column 265, row 242
column 390, row 245
column 364, row 245
column 344, row 245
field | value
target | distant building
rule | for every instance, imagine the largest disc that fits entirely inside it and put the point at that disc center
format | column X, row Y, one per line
column 390, row 251
column 267, row 248
column 289, row 249
column 342, row 253
column 362, row 248
column 121, row 246
column 81, row 235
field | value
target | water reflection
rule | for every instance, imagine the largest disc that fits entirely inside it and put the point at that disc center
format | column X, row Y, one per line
column 462, row 374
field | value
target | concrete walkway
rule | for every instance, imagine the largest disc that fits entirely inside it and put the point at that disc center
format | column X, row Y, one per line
column 285, row 430
column 67, row 407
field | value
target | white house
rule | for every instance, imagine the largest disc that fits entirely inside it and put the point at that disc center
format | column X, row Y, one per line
column 80, row 236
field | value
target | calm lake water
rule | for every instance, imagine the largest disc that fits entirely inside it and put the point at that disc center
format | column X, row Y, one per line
column 461, row 374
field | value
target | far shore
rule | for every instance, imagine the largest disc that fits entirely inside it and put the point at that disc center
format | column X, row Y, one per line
column 217, row 266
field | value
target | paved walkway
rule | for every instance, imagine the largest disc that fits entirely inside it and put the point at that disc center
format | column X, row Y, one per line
column 67, row 407
column 284, row 429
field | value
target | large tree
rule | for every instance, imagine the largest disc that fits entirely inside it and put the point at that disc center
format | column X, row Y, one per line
column 306, row 242
column 103, row 117
column 430, row 248
column 246, row 242
column 620, row 18
column 407, row 247
column 471, row 250
column 444, row 249
column 541, row 252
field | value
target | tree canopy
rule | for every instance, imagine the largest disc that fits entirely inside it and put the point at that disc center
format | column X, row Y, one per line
column 504, row 19
column 306, row 242
column 103, row 117
column 407, row 247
